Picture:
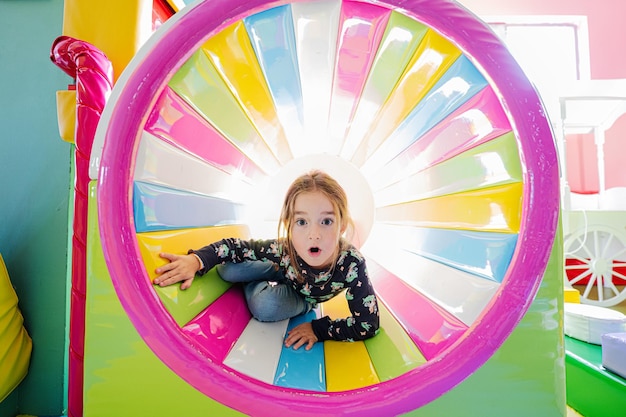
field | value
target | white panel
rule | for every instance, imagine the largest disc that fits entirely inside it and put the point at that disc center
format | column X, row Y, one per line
column 462, row 294
column 161, row 163
column 258, row 349
column 316, row 25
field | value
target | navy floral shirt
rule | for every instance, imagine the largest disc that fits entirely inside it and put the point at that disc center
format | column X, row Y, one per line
column 349, row 274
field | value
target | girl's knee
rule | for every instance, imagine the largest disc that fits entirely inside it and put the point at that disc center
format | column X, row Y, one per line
column 264, row 305
column 248, row 271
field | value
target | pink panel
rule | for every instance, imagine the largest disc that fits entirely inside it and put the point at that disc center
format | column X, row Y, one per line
column 477, row 121
column 177, row 123
column 430, row 326
column 219, row 326
column 362, row 27
column 582, row 164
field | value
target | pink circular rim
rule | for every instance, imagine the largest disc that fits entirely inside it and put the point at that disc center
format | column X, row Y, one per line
column 411, row 390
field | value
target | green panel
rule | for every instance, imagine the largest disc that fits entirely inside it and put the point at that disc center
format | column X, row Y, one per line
column 187, row 304
column 123, row 377
column 201, row 86
column 501, row 153
column 591, row 390
column 8, row 407
column 400, row 40
column 392, row 351
column 526, row 376
column 35, row 182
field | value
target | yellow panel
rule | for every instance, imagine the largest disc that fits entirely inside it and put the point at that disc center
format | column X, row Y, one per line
column 572, row 295
column 432, row 59
column 66, row 114
column 337, row 307
column 348, row 365
column 116, row 27
column 495, row 209
column 180, row 241
column 232, row 54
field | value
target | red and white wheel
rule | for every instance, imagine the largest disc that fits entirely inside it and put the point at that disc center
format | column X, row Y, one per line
column 595, row 262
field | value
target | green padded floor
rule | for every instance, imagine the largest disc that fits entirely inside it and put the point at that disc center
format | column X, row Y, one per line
column 592, row 390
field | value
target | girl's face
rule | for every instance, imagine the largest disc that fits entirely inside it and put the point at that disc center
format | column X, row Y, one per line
column 315, row 229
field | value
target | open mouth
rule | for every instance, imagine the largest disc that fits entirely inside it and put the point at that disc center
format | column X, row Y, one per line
column 314, row 251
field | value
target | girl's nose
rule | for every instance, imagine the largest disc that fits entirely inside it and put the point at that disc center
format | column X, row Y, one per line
column 314, row 232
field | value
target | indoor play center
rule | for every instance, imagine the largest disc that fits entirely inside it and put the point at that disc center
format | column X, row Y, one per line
column 501, row 282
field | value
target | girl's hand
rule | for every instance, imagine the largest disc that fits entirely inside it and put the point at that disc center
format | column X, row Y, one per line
column 180, row 268
column 300, row 335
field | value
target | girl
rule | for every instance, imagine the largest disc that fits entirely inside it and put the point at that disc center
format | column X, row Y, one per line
column 309, row 263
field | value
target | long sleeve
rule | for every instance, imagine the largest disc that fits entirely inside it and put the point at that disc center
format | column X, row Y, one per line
column 236, row 250
column 364, row 321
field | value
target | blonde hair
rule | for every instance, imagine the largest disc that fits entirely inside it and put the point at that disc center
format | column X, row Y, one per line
column 313, row 181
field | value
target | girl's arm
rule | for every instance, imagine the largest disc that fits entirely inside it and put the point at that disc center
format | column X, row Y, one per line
column 364, row 322
column 180, row 268
column 236, row 250
column 184, row 267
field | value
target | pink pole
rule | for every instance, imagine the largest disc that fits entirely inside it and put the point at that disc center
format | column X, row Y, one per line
column 93, row 74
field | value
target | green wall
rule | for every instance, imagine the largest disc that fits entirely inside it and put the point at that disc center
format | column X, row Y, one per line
column 35, row 180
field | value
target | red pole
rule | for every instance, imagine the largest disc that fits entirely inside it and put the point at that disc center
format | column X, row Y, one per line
column 93, row 74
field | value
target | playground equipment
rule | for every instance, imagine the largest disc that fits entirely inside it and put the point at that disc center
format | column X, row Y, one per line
column 595, row 225
column 423, row 116
column 16, row 345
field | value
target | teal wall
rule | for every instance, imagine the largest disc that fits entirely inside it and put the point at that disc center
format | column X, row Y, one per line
column 35, row 180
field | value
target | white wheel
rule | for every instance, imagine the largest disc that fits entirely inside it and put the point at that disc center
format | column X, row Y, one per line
column 595, row 261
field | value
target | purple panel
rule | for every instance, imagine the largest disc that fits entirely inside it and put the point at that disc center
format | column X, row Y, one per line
column 219, row 326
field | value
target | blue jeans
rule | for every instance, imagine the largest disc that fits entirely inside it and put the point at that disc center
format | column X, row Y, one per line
column 268, row 297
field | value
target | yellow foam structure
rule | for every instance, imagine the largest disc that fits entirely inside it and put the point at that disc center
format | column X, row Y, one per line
column 15, row 343
column 66, row 114
column 116, row 27
column 571, row 295
column 348, row 364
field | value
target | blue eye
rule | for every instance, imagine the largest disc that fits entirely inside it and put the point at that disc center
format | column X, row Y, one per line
column 328, row 221
column 300, row 222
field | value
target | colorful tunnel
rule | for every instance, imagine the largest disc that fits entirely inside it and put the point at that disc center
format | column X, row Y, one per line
column 415, row 107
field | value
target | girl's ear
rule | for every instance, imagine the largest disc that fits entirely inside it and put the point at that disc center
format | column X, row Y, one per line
column 344, row 226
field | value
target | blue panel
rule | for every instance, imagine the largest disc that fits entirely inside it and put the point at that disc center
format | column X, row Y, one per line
column 460, row 83
column 161, row 208
column 302, row 369
column 484, row 254
column 272, row 36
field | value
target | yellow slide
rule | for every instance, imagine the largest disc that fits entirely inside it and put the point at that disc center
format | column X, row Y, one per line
column 15, row 343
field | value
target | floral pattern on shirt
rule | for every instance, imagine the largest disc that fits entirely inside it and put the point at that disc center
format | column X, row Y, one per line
column 348, row 275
